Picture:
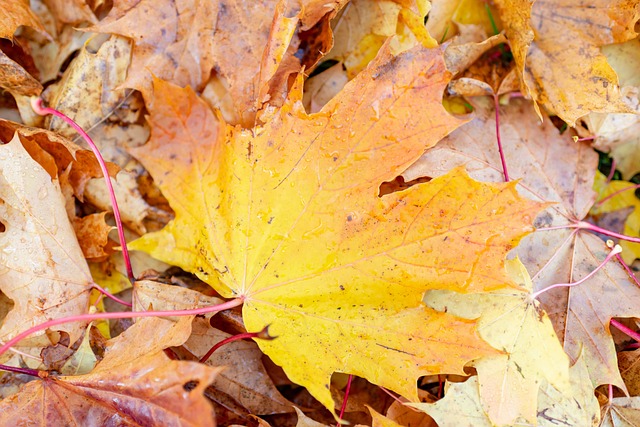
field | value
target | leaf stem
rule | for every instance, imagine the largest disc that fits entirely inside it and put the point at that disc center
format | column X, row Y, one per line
column 630, row 272
column 588, row 226
column 88, row 317
column 31, row 372
column 263, row 334
column 604, row 199
column 109, row 295
column 628, row 331
column 496, row 103
column 612, row 171
column 347, row 390
column 616, row 250
column 36, row 104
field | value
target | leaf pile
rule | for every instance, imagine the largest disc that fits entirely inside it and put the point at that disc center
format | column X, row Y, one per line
column 392, row 189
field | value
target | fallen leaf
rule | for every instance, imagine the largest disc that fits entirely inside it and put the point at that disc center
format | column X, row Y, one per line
column 14, row 14
column 182, row 42
column 90, row 93
column 379, row 420
column 629, row 363
column 618, row 133
column 92, row 232
column 364, row 26
column 71, row 11
column 321, row 301
column 66, row 155
column 446, row 16
column 244, row 378
column 552, row 168
column 16, row 79
column 135, row 384
column 43, row 269
column 556, row 49
column 304, row 421
column 621, row 412
column 512, row 322
column 409, row 416
column 319, row 90
column 461, row 404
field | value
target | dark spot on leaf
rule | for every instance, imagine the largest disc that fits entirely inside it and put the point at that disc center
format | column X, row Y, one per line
column 190, row 385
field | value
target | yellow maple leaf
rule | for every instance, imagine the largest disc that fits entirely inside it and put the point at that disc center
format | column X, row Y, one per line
column 287, row 216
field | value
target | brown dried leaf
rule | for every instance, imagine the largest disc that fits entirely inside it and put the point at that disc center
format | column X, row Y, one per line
column 15, row 13
column 16, row 79
column 244, row 378
column 135, row 384
column 92, row 232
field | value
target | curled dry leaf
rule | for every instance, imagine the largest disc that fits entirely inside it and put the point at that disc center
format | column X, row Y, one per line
column 63, row 152
column 16, row 79
column 256, row 224
column 556, row 44
column 43, row 269
column 92, row 233
column 551, row 168
column 135, row 384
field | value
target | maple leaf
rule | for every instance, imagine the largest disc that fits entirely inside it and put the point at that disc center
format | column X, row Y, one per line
column 288, row 217
column 556, row 49
column 512, row 322
column 461, row 403
column 135, row 384
column 621, row 412
column 43, row 269
column 552, row 168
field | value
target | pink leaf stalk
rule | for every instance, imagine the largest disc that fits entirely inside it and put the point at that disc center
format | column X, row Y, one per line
column 628, row 331
column 117, row 315
column 347, row 390
column 616, row 250
column 496, row 103
column 604, row 199
column 263, row 334
column 36, row 104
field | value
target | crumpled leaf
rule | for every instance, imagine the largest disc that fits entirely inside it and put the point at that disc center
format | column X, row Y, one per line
column 92, row 232
column 551, row 168
column 556, row 44
column 256, row 201
column 182, row 42
column 629, row 363
column 511, row 322
column 135, row 384
column 71, row 11
column 42, row 268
